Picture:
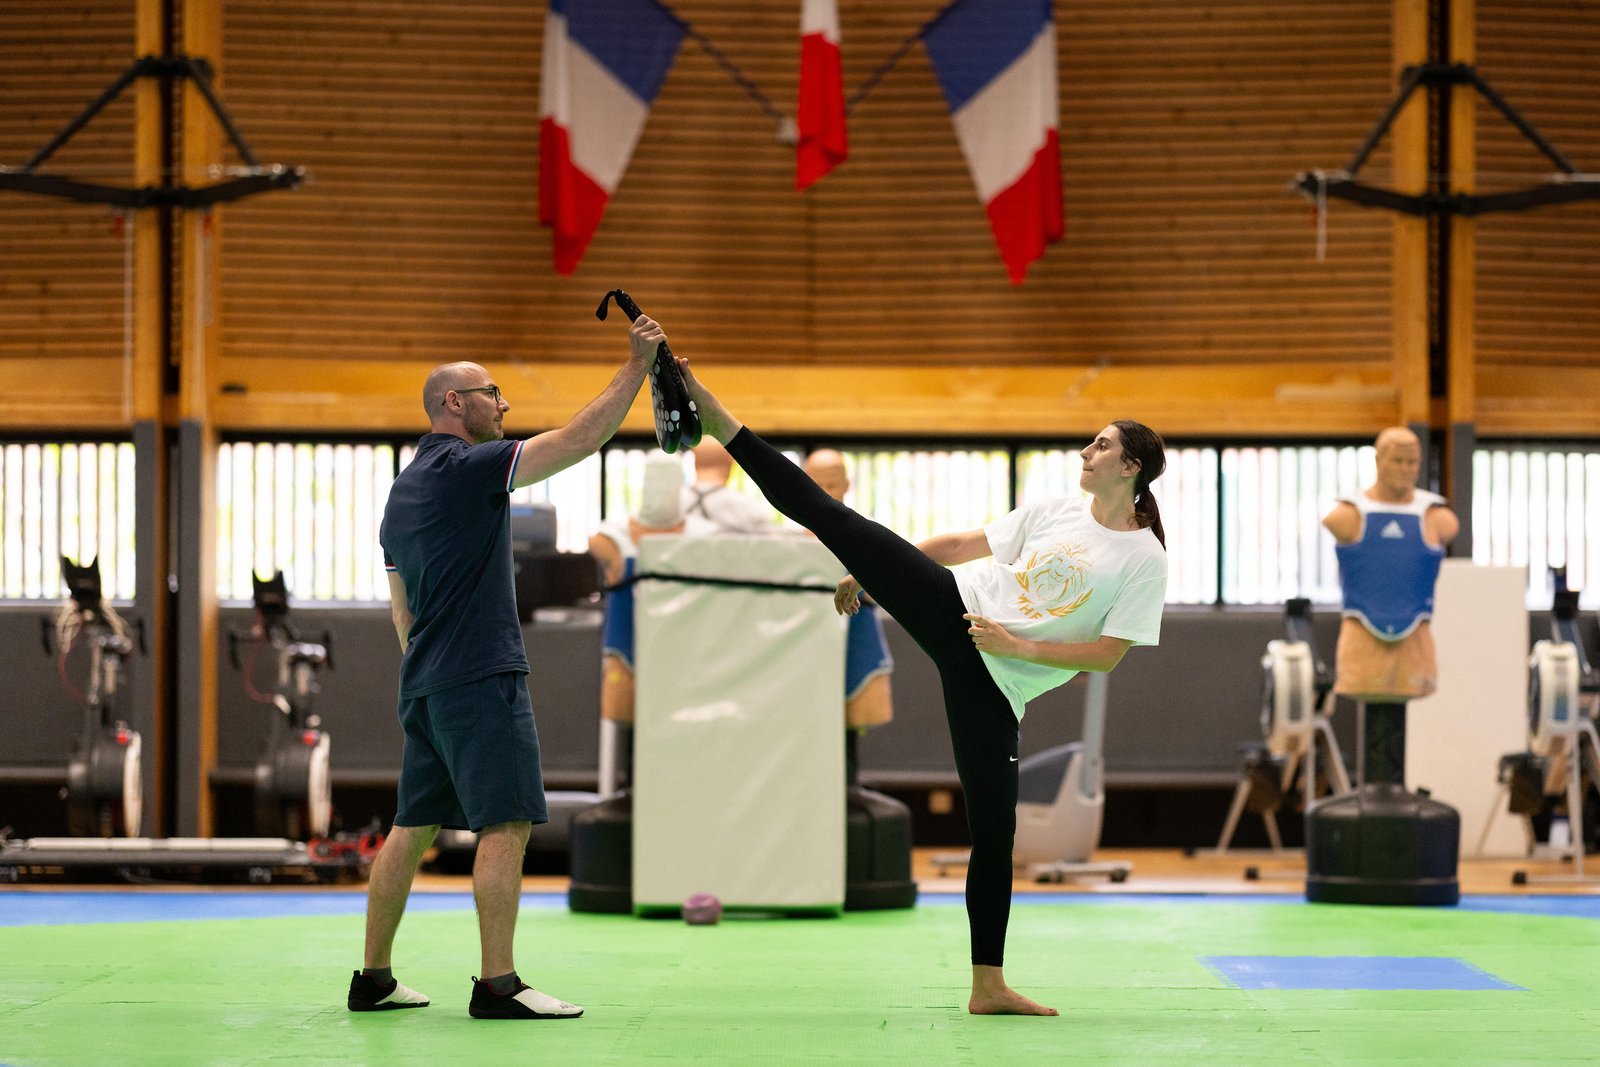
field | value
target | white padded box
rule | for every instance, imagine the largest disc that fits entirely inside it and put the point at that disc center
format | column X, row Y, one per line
column 739, row 727
column 1455, row 738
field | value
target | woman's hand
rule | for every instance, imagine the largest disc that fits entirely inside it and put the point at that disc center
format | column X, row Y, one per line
column 847, row 598
column 989, row 636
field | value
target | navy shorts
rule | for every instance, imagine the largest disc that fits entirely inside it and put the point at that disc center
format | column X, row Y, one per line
column 471, row 756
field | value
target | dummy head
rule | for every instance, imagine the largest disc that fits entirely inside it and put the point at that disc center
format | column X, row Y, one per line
column 827, row 469
column 712, row 464
column 1399, row 463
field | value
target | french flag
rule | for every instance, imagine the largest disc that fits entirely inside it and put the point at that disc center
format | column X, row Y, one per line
column 996, row 61
column 604, row 62
column 820, row 116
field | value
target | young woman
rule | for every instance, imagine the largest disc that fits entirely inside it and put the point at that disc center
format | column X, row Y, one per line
column 1071, row 584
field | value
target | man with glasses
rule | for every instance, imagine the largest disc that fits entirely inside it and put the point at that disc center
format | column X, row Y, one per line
column 471, row 757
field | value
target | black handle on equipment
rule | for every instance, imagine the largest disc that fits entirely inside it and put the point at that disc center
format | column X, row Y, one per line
column 630, row 309
column 677, row 422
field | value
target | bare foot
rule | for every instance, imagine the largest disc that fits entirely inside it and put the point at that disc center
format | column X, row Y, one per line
column 991, row 996
column 714, row 418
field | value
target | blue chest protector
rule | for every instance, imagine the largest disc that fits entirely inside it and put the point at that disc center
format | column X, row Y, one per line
column 616, row 638
column 1389, row 574
column 866, row 651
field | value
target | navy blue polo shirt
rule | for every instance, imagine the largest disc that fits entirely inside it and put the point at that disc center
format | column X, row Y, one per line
column 447, row 532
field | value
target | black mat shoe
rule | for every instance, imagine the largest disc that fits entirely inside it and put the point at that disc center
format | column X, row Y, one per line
column 525, row 1003
column 677, row 418
column 367, row 995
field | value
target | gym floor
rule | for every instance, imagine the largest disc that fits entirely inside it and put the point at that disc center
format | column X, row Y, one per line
column 1185, row 962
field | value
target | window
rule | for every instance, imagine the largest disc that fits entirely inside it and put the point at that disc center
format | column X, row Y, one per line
column 1273, row 500
column 312, row 510
column 915, row 492
column 624, row 465
column 624, row 476
column 1186, row 495
column 66, row 499
column 1539, row 508
column 921, row 492
column 1243, row 523
column 576, row 493
column 309, row 510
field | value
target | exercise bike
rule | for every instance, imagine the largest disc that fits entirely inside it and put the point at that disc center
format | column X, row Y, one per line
column 1061, row 800
column 1561, row 767
column 105, row 783
column 293, row 790
column 1296, row 703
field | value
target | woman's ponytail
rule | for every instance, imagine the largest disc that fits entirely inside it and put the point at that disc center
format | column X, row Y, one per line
column 1141, row 443
column 1148, row 513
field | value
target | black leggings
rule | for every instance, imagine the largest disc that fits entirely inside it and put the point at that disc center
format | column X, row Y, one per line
column 923, row 598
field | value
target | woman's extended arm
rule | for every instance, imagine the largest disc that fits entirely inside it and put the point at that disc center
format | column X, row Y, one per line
column 1101, row 654
column 953, row 548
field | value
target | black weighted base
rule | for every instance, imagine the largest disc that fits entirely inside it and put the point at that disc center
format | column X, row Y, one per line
column 602, row 858
column 1382, row 845
column 877, row 852
column 877, row 855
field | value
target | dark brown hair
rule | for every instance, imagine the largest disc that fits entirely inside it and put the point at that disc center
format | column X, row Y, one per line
column 1140, row 442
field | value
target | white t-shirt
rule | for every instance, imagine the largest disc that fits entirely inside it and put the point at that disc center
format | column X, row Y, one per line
column 1058, row 575
column 727, row 509
column 620, row 533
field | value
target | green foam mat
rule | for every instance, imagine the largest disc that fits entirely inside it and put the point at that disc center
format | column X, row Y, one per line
column 1129, row 976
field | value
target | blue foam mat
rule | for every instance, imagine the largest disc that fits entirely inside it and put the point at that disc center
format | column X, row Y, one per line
column 47, row 906
column 1354, row 972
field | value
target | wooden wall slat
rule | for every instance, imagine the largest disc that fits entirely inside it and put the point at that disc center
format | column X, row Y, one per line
column 61, row 264
column 1538, row 275
column 1182, row 124
column 1181, row 127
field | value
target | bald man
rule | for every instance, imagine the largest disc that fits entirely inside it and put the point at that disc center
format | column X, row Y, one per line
column 868, row 664
column 471, row 756
column 827, row 468
column 1391, row 539
column 710, row 499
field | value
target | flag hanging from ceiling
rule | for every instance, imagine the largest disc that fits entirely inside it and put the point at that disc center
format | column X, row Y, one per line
column 604, row 62
column 820, row 114
column 996, row 61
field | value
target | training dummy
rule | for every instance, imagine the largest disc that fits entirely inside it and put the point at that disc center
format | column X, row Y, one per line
column 1382, row 844
column 711, row 500
column 1390, row 541
column 615, row 546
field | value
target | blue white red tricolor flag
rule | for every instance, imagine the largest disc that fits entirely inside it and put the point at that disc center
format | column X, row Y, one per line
column 604, row 62
column 996, row 61
column 820, row 115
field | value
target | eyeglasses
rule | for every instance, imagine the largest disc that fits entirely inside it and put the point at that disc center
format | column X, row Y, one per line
column 492, row 390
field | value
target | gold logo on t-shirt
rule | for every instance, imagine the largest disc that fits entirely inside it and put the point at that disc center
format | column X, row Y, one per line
column 1051, row 581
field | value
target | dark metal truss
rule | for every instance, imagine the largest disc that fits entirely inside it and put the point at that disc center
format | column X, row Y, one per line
column 1566, row 187
column 258, row 178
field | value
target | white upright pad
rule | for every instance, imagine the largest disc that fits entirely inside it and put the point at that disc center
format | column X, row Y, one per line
column 739, row 726
column 1455, row 738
